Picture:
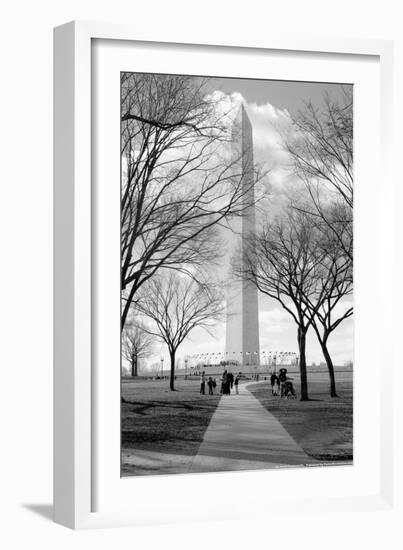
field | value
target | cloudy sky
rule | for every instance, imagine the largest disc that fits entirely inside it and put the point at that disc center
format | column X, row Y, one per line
column 269, row 105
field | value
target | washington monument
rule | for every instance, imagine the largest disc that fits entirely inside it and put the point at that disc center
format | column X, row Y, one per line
column 242, row 326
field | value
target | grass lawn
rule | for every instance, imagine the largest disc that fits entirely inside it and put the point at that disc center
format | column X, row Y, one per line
column 159, row 420
column 323, row 427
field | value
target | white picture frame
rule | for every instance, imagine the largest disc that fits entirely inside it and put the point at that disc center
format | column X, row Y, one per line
column 77, row 398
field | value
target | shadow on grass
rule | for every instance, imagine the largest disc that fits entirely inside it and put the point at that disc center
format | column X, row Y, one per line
column 311, row 399
column 142, row 408
column 321, row 425
column 326, row 457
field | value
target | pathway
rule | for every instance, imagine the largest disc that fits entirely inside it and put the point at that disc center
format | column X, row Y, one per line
column 243, row 435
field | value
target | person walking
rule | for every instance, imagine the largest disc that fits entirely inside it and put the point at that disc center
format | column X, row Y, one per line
column 236, row 382
column 210, row 385
column 282, row 378
column 203, row 383
column 226, row 385
column 274, row 383
column 223, row 382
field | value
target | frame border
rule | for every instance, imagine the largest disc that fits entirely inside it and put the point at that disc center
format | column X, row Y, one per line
column 72, row 254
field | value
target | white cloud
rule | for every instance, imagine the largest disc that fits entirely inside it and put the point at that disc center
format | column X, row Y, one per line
column 274, row 321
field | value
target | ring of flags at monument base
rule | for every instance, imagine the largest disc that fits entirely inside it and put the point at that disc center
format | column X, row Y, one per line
column 278, row 357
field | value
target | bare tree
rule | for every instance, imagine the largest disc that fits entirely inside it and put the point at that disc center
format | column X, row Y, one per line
column 137, row 343
column 283, row 263
column 334, row 282
column 178, row 179
column 177, row 304
column 321, row 149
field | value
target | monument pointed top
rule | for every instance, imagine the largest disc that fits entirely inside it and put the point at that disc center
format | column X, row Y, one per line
column 245, row 114
column 242, row 112
column 242, row 123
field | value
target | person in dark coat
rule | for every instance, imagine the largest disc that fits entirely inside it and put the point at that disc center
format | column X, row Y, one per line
column 236, row 382
column 226, row 383
column 203, row 383
column 282, row 377
column 210, row 385
column 223, row 382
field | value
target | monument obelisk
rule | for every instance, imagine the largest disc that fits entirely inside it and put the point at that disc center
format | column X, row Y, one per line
column 242, row 323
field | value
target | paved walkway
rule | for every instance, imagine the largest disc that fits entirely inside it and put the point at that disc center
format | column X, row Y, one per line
column 243, row 435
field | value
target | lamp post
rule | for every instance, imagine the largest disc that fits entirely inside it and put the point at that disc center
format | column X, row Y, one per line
column 186, row 369
column 256, row 363
column 162, row 367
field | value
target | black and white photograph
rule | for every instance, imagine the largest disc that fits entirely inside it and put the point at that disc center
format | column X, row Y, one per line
column 236, row 274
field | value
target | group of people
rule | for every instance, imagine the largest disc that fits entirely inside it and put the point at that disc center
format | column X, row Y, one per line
column 228, row 381
column 211, row 383
column 281, row 384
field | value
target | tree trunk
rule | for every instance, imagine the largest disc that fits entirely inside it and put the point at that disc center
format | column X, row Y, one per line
column 302, row 364
column 172, row 373
column 329, row 363
column 127, row 306
column 134, row 365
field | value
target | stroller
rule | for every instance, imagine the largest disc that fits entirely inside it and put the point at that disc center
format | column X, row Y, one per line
column 286, row 386
column 289, row 391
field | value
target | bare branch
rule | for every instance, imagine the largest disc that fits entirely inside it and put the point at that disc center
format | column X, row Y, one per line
column 179, row 179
